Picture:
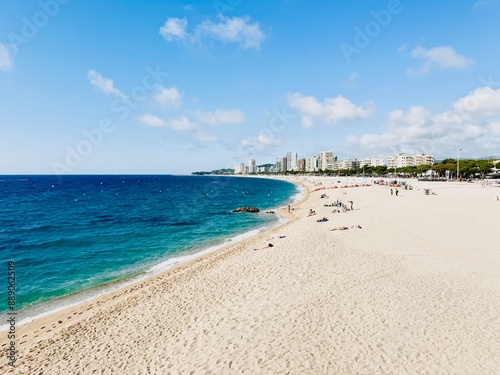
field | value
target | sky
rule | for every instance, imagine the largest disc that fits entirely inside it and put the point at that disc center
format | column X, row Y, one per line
column 174, row 87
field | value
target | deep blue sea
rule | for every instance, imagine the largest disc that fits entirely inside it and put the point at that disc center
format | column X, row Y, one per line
column 83, row 233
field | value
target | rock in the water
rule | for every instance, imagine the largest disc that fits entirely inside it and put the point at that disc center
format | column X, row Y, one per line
column 246, row 209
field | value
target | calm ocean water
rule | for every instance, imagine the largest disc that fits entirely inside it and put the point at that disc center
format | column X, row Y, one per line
column 81, row 232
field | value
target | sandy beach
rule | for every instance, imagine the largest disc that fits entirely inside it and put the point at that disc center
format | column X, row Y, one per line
column 415, row 290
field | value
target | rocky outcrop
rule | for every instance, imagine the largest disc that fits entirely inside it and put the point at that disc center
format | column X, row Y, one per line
column 246, row 209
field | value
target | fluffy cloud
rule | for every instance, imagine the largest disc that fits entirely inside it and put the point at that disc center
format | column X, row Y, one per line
column 174, row 28
column 444, row 57
column 181, row 123
column 103, row 83
column 152, row 120
column 168, row 96
column 330, row 110
column 263, row 141
column 239, row 30
column 480, row 103
column 221, row 116
column 472, row 120
column 7, row 53
column 236, row 29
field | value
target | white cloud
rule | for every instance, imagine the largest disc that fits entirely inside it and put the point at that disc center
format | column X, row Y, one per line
column 152, row 120
column 103, row 83
column 471, row 122
column 444, row 57
column 330, row 111
column 181, row 123
column 236, row 29
column 239, row 30
column 168, row 96
column 174, row 28
column 263, row 141
column 221, row 116
column 480, row 103
column 7, row 53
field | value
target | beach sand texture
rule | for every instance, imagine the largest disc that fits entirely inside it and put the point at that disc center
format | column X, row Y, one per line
column 415, row 291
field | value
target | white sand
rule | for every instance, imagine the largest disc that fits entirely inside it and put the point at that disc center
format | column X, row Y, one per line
column 415, row 291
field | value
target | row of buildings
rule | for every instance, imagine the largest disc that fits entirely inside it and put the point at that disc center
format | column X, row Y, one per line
column 326, row 160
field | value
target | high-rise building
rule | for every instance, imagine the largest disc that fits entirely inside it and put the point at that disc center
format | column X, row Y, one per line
column 239, row 168
column 283, row 166
column 291, row 161
column 311, row 164
column 325, row 160
column 252, row 168
column 301, row 165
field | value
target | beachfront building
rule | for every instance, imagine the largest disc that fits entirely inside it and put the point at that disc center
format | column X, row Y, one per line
column 301, row 165
column 424, row 159
column 401, row 160
column 252, row 168
column 371, row 162
column 311, row 164
column 283, row 164
column 291, row 161
column 239, row 168
column 346, row 164
column 325, row 160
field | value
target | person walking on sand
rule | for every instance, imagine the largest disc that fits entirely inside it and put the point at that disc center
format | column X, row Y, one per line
column 397, row 192
column 392, row 192
column 288, row 208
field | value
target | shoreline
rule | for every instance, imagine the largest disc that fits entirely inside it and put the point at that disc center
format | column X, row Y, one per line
column 413, row 291
column 70, row 301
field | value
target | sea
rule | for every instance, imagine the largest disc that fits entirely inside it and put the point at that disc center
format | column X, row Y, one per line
column 71, row 238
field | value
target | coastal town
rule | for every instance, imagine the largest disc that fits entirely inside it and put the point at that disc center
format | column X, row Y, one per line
column 398, row 165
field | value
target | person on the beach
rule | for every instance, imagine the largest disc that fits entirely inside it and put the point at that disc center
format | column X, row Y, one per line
column 397, row 192
column 288, row 208
column 352, row 205
column 392, row 192
column 311, row 212
column 269, row 245
column 347, row 228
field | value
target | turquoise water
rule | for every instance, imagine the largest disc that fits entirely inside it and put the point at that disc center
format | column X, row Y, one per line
column 77, row 233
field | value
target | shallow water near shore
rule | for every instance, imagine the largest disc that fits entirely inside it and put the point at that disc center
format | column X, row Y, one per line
column 86, row 233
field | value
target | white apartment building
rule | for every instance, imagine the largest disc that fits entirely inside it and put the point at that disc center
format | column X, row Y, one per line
column 401, row 160
column 291, row 161
column 371, row 162
column 424, row 159
column 239, row 168
column 346, row 164
column 325, row 160
column 311, row 164
column 252, row 168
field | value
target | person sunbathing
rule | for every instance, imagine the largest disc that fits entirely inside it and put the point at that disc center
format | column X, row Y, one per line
column 311, row 212
column 266, row 247
column 347, row 228
column 322, row 220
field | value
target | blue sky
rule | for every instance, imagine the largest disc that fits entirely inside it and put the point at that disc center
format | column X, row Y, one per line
column 173, row 87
